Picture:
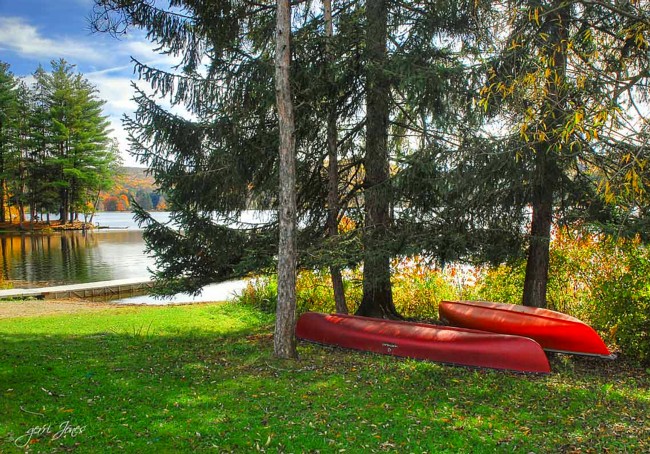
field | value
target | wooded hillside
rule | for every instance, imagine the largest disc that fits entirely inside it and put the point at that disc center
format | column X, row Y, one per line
column 132, row 183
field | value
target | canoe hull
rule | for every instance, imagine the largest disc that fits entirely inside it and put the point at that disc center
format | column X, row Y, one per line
column 428, row 342
column 553, row 330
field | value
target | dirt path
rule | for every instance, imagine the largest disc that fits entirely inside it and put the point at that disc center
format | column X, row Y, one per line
column 33, row 308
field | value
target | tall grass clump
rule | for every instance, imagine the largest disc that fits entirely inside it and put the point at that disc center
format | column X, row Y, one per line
column 417, row 290
column 418, row 287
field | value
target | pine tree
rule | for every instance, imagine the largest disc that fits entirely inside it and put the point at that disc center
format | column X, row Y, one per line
column 71, row 137
column 43, row 194
column 417, row 91
column 223, row 157
column 210, row 167
column 8, row 133
column 19, row 186
column 377, row 297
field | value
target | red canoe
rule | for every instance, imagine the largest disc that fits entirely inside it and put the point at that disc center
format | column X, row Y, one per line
column 416, row 340
column 553, row 330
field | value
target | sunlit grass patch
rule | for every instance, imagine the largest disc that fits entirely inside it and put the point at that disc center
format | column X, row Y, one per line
column 203, row 378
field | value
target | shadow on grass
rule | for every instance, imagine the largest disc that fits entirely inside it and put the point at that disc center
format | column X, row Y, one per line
column 140, row 391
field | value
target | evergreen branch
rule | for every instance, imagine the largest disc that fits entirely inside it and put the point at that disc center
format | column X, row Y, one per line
column 615, row 9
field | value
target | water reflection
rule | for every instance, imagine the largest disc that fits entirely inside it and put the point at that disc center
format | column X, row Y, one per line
column 116, row 252
column 73, row 257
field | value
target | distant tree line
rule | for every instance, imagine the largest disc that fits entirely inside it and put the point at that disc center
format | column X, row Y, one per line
column 132, row 185
column 55, row 152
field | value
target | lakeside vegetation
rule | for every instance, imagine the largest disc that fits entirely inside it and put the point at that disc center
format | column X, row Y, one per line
column 130, row 184
column 601, row 281
column 203, row 378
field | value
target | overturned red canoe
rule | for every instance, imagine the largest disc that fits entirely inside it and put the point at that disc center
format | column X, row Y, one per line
column 416, row 340
column 553, row 330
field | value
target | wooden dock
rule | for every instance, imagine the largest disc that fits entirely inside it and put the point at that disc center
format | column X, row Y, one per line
column 103, row 289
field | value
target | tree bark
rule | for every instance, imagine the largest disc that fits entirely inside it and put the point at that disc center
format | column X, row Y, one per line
column 284, row 338
column 546, row 173
column 333, row 164
column 537, row 264
column 3, row 210
column 377, row 300
column 333, row 211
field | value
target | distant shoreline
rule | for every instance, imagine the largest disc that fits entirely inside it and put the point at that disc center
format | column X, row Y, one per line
column 55, row 225
column 49, row 227
column 43, row 226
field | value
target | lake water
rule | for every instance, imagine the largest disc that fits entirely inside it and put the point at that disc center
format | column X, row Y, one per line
column 73, row 257
column 114, row 252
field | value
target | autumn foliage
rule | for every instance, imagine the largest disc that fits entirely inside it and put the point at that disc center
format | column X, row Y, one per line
column 598, row 280
column 133, row 184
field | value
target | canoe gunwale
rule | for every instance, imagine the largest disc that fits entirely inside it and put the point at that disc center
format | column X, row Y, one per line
column 611, row 356
column 565, row 318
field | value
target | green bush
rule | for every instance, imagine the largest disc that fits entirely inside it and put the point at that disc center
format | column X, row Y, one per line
column 313, row 292
column 419, row 288
column 262, row 293
column 621, row 294
column 603, row 282
column 501, row 284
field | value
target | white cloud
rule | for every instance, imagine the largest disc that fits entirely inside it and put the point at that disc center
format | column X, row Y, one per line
column 17, row 35
column 116, row 91
column 122, row 138
column 107, row 62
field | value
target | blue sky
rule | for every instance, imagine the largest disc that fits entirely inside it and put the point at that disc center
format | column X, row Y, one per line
column 34, row 32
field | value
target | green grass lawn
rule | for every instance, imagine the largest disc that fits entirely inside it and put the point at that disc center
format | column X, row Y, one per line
column 203, row 378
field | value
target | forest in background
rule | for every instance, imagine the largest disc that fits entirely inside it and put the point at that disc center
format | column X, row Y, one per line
column 56, row 156
column 132, row 184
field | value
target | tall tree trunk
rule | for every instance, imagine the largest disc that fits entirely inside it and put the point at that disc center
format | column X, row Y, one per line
column 63, row 209
column 284, row 343
column 547, row 174
column 21, row 214
column 377, row 298
column 333, row 165
column 3, row 210
column 539, row 248
column 92, row 215
column 2, row 181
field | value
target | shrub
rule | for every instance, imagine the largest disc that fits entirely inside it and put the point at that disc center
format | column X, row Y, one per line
column 605, row 283
column 262, row 293
column 313, row 292
column 419, row 287
column 501, row 284
column 417, row 290
column 621, row 295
